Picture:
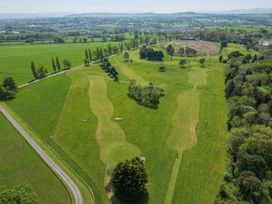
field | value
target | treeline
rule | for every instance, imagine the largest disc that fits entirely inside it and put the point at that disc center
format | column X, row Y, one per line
column 29, row 37
column 248, row 89
column 41, row 71
column 243, row 58
column 182, row 52
column 100, row 53
column 249, row 39
column 148, row 96
column 108, row 68
column 8, row 89
column 151, row 54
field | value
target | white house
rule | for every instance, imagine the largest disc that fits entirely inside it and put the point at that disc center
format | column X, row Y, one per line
column 266, row 43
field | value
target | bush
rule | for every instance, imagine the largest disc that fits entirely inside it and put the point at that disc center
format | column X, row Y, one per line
column 8, row 89
column 151, row 54
column 148, row 96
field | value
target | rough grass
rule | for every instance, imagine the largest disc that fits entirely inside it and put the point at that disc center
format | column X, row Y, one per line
column 41, row 103
column 21, row 165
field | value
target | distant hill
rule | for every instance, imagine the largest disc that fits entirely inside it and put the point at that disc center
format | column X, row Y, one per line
column 30, row 15
column 250, row 11
column 131, row 14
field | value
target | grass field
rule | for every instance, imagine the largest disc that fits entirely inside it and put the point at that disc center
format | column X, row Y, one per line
column 24, row 166
column 183, row 141
column 15, row 60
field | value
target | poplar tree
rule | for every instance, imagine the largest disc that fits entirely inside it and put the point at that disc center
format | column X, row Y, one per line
column 90, row 55
column 58, row 63
column 97, row 53
column 33, row 69
column 86, row 54
column 54, row 65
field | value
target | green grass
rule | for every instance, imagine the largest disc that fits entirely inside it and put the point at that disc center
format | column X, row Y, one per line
column 202, row 167
column 82, row 123
column 15, row 60
column 21, row 165
column 41, row 104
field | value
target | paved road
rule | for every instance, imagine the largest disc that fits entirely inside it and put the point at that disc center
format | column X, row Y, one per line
column 59, row 172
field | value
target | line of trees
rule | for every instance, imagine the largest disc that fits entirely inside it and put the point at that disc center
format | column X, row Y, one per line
column 8, row 89
column 244, row 58
column 80, row 40
column 182, row 52
column 151, row 54
column 108, row 68
column 248, row 90
column 41, row 71
column 187, row 52
column 148, row 96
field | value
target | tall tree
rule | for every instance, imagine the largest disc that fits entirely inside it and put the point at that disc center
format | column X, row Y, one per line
column 202, row 61
column 58, row 64
column 220, row 58
column 67, row 64
column 9, row 84
column 90, row 55
column 129, row 180
column 121, row 46
column 101, row 54
column 109, row 49
column 126, row 56
column 86, row 54
column 97, row 53
column 33, row 69
column 182, row 63
column 54, row 65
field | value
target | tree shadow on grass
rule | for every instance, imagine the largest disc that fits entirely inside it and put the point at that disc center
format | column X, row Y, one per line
column 142, row 199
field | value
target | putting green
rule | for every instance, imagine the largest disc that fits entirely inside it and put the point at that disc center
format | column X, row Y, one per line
column 110, row 136
column 184, row 120
column 116, row 152
column 198, row 77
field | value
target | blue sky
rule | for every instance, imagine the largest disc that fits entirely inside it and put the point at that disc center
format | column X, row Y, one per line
column 79, row 6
